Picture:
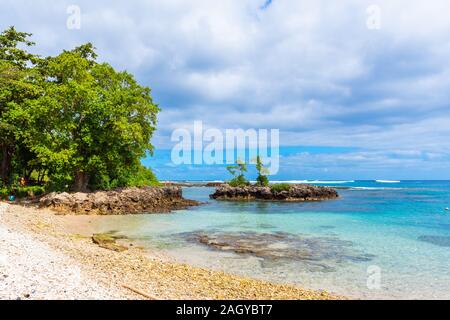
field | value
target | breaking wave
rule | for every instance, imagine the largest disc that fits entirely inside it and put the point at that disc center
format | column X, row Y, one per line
column 387, row 181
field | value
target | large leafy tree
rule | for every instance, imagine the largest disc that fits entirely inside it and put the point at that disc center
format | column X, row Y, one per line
column 17, row 84
column 90, row 126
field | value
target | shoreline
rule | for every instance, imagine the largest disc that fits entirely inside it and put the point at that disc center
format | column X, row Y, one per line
column 105, row 274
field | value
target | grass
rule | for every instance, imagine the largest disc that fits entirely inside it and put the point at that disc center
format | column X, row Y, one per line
column 280, row 187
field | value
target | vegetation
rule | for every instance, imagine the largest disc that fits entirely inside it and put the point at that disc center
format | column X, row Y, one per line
column 238, row 171
column 262, row 179
column 279, row 187
column 69, row 122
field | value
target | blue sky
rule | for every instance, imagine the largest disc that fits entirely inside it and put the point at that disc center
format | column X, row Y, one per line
column 350, row 102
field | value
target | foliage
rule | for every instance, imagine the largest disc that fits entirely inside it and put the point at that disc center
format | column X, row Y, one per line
column 238, row 171
column 71, row 121
column 262, row 179
column 30, row 191
column 238, row 181
column 21, row 192
column 137, row 177
column 279, row 187
column 17, row 84
column 4, row 192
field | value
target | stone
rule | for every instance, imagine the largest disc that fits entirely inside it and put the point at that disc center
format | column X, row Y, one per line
column 314, row 253
column 119, row 201
column 301, row 192
column 441, row 241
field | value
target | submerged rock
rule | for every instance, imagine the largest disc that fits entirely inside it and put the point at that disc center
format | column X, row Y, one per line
column 441, row 241
column 316, row 253
column 120, row 201
column 301, row 192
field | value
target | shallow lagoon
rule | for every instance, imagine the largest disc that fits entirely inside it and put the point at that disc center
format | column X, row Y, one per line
column 400, row 229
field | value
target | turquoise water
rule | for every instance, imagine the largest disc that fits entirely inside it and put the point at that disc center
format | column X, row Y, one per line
column 393, row 236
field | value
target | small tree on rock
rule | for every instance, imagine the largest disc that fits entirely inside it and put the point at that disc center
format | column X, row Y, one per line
column 262, row 179
column 238, row 171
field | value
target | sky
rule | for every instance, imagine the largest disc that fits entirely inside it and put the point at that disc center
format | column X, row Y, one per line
column 358, row 89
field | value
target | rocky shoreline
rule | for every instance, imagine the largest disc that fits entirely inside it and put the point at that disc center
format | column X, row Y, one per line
column 117, row 202
column 293, row 193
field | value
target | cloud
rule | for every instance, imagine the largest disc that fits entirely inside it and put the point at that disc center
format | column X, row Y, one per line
column 310, row 68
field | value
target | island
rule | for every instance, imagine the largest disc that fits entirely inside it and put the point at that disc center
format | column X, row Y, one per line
column 276, row 192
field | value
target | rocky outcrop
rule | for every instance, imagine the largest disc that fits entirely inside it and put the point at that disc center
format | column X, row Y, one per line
column 272, row 248
column 120, row 201
column 108, row 241
column 299, row 193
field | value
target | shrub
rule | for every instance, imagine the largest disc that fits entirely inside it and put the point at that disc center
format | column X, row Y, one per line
column 138, row 176
column 262, row 181
column 238, row 171
column 4, row 192
column 239, row 181
column 280, row 187
column 21, row 192
column 29, row 191
column 143, row 177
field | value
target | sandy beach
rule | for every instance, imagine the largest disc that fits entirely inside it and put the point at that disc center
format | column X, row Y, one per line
column 41, row 259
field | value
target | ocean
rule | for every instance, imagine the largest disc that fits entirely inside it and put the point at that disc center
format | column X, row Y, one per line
column 379, row 240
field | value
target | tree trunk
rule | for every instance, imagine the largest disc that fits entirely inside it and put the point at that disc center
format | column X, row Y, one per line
column 5, row 168
column 81, row 182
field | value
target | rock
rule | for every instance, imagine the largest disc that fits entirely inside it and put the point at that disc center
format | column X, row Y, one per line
column 442, row 241
column 301, row 192
column 120, row 201
column 108, row 241
column 113, row 247
column 314, row 253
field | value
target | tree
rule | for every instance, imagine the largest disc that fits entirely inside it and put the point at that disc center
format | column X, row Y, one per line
column 91, row 125
column 238, row 171
column 262, row 179
column 17, row 83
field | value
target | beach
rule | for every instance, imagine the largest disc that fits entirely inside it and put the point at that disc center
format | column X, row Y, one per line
column 399, row 229
column 41, row 259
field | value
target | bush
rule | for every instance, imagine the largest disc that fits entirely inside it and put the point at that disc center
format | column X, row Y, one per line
column 239, row 181
column 139, row 176
column 262, row 181
column 29, row 191
column 143, row 177
column 4, row 193
column 280, row 187
column 21, row 192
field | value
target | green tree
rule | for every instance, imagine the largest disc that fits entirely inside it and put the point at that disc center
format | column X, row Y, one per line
column 238, row 171
column 91, row 125
column 17, row 84
column 262, row 179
